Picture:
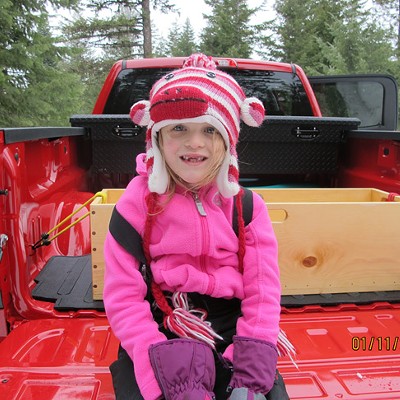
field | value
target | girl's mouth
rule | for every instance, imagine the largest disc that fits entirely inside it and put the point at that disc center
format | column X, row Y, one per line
column 193, row 159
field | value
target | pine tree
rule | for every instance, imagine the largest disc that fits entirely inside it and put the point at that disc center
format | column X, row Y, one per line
column 228, row 31
column 299, row 27
column 182, row 41
column 33, row 71
column 107, row 30
column 359, row 45
column 117, row 29
column 326, row 37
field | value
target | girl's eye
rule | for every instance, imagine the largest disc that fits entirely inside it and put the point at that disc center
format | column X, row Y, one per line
column 178, row 128
column 210, row 130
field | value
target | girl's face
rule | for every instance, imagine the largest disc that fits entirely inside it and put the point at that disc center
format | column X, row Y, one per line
column 190, row 150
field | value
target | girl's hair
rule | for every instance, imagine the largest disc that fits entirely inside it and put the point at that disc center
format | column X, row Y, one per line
column 219, row 153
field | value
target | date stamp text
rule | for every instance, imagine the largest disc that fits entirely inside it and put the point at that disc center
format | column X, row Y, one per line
column 380, row 343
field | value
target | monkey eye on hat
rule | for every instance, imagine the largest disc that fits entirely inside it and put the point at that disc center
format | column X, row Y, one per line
column 197, row 92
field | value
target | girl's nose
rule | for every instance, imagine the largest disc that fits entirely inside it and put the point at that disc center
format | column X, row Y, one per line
column 195, row 139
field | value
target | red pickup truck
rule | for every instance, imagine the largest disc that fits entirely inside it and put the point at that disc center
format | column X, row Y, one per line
column 328, row 146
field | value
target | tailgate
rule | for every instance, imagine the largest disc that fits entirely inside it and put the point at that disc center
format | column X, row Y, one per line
column 344, row 353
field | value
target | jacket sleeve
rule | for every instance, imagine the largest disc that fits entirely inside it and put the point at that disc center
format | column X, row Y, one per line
column 127, row 310
column 261, row 281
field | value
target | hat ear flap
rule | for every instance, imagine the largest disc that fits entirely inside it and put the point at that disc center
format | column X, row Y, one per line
column 140, row 113
column 252, row 111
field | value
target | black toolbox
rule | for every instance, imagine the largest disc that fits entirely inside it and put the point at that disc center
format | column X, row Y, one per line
column 282, row 145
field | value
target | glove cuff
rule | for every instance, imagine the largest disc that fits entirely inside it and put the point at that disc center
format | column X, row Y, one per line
column 254, row 364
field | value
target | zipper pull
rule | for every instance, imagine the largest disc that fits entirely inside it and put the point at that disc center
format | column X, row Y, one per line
column 199, row 205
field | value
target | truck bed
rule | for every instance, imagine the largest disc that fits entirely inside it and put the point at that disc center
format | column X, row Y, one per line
column 61, row 345
column 344, row 353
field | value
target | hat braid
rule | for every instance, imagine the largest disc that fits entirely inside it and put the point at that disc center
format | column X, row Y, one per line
column 162, row 303
column 284, row 346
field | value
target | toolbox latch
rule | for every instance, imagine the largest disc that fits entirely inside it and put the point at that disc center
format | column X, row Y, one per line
column 306, row 133
column 126, row 132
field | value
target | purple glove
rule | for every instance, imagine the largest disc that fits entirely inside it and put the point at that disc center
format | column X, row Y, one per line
column 254, row 367
column 184, row 369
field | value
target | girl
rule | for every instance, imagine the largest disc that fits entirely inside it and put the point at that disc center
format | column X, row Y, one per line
column 212, row 330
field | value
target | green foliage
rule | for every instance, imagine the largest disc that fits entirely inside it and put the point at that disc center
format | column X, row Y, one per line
column 115, row 29
column 358, row 45
column 181, row 40
column 326, row 37
column 109, row 29
column 299, row 27
column 92, row 73
column 228, row 31
column 32, row 67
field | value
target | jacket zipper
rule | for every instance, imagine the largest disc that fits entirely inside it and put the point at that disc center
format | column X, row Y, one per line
column 205, row 237
column 199, row 205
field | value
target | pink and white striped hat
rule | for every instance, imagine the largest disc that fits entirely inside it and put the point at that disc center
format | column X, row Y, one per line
column 197, row 92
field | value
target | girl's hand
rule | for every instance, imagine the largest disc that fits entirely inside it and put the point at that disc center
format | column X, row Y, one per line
column 184, row 369
column 254, row 367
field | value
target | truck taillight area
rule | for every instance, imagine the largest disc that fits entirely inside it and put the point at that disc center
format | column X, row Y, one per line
column 226, row 63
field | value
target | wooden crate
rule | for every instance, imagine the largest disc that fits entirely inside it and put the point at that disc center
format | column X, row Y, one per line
column 336, row 240
column 330, row 240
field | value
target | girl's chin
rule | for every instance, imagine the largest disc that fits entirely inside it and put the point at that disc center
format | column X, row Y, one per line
column 191, row 181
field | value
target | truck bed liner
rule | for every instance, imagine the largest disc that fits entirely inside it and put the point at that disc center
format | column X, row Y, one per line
column 67, row 281
column 69, row 358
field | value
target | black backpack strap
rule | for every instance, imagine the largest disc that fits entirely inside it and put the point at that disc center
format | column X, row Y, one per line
column 247, row 204
column 126, row 235
column 129, row 238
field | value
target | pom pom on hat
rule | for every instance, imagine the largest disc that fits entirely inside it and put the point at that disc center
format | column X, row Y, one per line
column 252, row 112
column 140, row 113
column 199, row 60
column 198, row 92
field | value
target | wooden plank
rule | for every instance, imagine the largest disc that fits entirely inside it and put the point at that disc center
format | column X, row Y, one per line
column 99, row 226
column 322, row 195
column 330, row 248
column 113, row 195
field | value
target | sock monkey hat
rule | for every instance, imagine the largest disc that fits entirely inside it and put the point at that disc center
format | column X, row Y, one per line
column 197, row 92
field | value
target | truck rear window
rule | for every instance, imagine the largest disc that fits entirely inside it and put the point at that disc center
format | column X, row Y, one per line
column 281, row 92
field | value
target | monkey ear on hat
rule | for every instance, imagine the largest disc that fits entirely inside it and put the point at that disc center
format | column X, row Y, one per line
column 252, row 111
column 140, row 113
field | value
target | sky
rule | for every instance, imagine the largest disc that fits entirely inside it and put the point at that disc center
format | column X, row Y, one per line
column 194, row 10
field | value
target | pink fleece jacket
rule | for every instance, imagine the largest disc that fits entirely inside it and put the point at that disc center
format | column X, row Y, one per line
column 190, row 253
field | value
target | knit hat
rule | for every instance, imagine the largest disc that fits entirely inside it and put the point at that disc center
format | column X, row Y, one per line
column 197, row 92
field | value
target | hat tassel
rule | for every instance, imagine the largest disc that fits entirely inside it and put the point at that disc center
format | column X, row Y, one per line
column 189, row 323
